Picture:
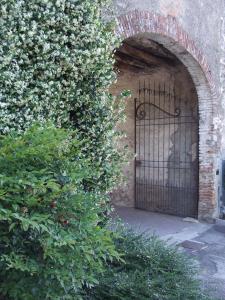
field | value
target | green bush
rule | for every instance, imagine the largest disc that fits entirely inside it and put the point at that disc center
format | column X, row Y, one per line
column 56, row 64
column 151, row 270
column 50, row 241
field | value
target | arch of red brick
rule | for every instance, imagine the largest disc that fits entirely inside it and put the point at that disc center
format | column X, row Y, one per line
column 168, row 32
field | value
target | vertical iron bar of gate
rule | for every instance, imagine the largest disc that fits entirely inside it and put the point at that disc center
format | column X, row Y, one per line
column 139, row 146
column 158, row 121
column 174, row 145
column 185, row 154
column 163, row 158
column 144, row 187
column 169, row 162
column 179, row 143
column 135, row 152
column 197, row 153
column 149, row 142
column 153, row 163
column 191, row 189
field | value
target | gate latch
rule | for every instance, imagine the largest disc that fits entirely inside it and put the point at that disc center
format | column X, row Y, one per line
column 138, row 162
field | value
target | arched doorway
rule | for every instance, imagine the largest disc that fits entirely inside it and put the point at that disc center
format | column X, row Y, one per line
column 167, row 34
column 162, row 128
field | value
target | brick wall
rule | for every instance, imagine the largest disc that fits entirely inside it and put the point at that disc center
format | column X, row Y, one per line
column 167, row 31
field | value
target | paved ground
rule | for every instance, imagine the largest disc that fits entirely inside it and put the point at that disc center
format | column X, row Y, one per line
column 211, row 258
column 168, row 227
column 204, row 242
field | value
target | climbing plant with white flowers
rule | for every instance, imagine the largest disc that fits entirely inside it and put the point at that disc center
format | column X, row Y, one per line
column 56, row 64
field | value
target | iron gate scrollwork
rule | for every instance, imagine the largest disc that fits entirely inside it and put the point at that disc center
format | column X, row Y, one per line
column 166, row 146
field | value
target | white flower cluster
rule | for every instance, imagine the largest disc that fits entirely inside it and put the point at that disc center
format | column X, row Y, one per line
column 55, row 57
column 56, row 65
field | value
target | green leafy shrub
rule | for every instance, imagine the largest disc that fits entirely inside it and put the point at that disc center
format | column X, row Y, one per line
column 50, row 241
column 151, row 270
column 56, row 64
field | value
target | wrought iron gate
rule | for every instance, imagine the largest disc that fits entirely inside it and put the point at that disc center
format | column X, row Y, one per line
column 166, row 146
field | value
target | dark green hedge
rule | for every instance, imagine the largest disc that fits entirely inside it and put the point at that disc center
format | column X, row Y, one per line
column 50, row 241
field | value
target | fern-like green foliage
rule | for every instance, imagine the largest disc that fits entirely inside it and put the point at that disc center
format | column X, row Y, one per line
column 150, row 270
column 50, row 241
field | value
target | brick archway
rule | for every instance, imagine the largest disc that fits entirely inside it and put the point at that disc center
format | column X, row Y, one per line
column 167, row 31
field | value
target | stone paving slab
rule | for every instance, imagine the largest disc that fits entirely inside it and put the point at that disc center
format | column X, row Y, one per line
column 211, row 260
column 193, row 245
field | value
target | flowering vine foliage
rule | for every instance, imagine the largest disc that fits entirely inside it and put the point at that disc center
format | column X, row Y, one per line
column 56, row 64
